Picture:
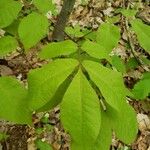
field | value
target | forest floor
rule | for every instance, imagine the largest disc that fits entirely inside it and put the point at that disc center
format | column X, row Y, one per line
column 47, row 125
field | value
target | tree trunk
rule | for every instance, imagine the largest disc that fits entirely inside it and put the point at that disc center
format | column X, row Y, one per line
column 58, row 33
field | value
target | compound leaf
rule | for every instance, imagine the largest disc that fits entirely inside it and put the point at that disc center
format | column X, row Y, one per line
column 143, row 33
column 80, row 113
column 13, row 103
column 32, row 29
column 55, row 49
column 9, row 10
column 7, row 45
column 108, row 36
column 43, row 82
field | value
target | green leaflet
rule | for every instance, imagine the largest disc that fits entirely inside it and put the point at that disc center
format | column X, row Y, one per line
column 145, row 60
column 80, row 113
column 128, row 12
column 32, row 29
column 74, row 31
column 45, row 5
column 142, row 88
column 44, row 82
column 42, row 145
column 143, row 33
column 103, row 141
column 13, row 28
column 109, row 82
column 95, row 50
column 120, row 122
column 13, row 103
column 112, row 88
column 55, row 49
column 131, row 64
column 9, row 10
column 7, row 45
column 108, row 36
column 57, row 97
column 118, row 63
column 125, row 126
column 105, row 136
column 113, row 19
column 91, row 36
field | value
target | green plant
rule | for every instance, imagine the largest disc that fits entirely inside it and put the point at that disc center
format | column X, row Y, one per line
column 142, row 89
column 42, row 145
column 91, row 95
column 3, row 136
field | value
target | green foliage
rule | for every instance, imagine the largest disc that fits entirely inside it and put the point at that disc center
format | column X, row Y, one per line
column 3, row 136
column 74, row 31
column 84, row 2
column 132, row 63
column 143, row 33
column 7, row 45
column 145, row 60
column 104, row 138
column 45, row 6
column 42, row 145
column 141, row 29
column 91, row 36
column 39, row 131
column 14, row 105
column 92, row 97
column 103, row 78
column 9, row 10
column 108, row 36
column 32, row 29
column 128, row 12
column 142, row 88
column 55, row 49
column 80, row 107
column 118, row 64
column 114, row 19
column 43, row 82
column 114, row 94
column 13, row 28
column 95, row 50
column 80, row 113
